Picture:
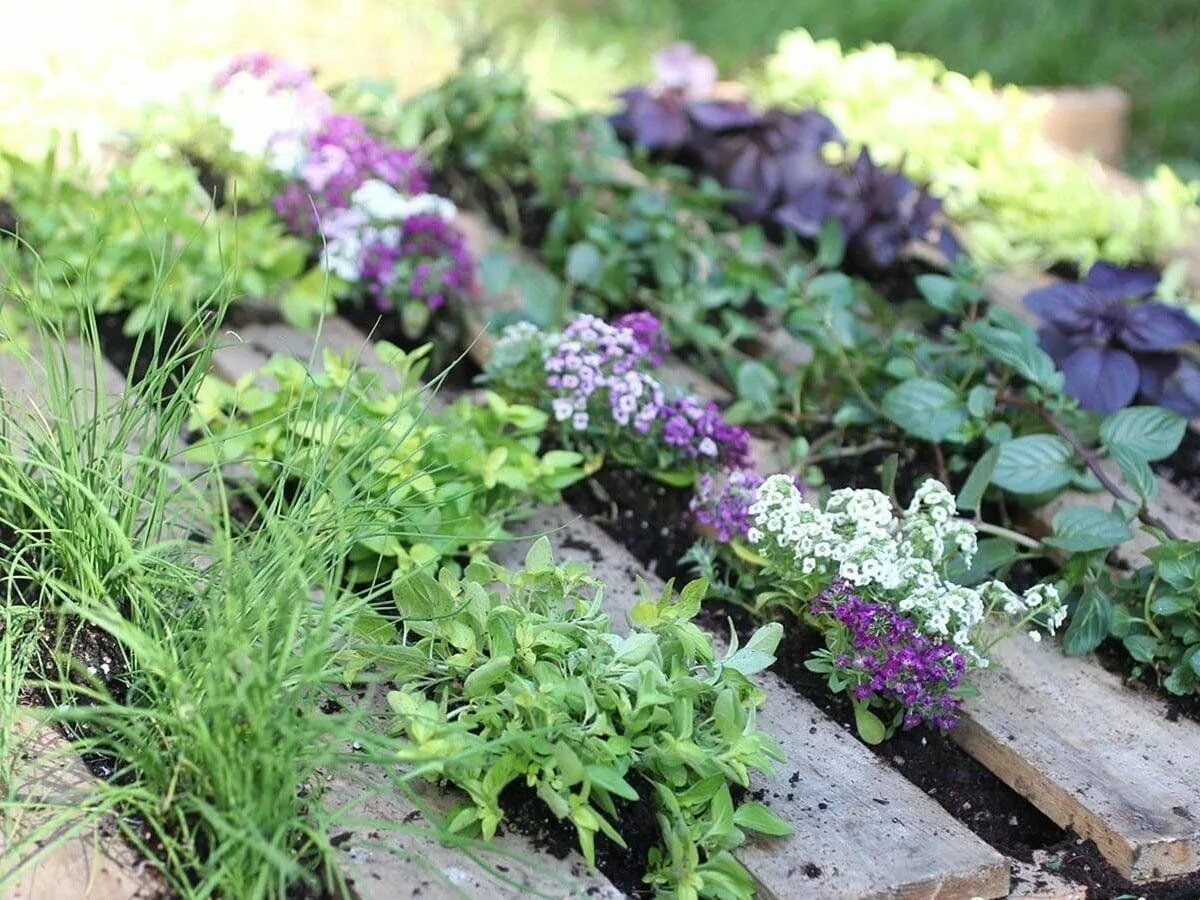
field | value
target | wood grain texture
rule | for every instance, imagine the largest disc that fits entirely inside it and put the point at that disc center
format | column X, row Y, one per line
column 53, row 843
column 860, row 828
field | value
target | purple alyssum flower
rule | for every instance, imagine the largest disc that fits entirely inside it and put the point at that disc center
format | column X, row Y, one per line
column 884, row 657
column 1113, row 344
column 722, row 502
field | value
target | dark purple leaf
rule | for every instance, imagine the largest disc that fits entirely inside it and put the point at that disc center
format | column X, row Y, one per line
column 1156, row 326
column 1100, row 378
column 1056, row 343
column 654, row 123
column 1182, row 392
column 1070, row 307
column 1121, row 282
column 722, row 115
column 1156, row 369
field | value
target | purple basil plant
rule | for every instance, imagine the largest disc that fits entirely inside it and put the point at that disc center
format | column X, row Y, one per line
column 1112, row 344
column 774, row 160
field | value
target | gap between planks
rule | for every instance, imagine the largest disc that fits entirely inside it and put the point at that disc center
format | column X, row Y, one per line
column 1022, row 726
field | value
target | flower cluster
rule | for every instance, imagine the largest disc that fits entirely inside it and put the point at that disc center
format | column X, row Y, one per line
column 597, row 379
column 882, row 656
column 722, row 503
column 366, row 200
column 858, row 539
column 898, row 632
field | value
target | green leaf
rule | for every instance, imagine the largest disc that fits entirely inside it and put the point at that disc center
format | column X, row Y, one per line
column 1136, row 471
column 611, row 781
column 482, row 679
column 759, row 652
column 1172, row 604
column 971, row 495
column 757, row 383
column 1034, row 464
column 1089, row 622
column 941, row 293
column 925, row 408
column 887, row 474
column 1143, row 647
column 1018, row 349
column 1082, row 529
column 869, row 726
column 831, row 245
column 755, row 816
column 540, row 557
column 584, row 264
column 1148, row 433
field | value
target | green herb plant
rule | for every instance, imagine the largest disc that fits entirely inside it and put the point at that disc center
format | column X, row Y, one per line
column 519, row 678
column 444, row 481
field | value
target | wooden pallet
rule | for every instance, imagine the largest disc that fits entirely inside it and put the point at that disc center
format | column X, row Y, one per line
column 916, row 851
column 1023, row 728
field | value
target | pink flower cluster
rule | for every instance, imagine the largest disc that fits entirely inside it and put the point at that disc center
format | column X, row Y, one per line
column 883, row 656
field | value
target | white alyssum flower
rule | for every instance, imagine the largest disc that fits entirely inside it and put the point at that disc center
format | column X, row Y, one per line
column 257, row 116
column 383, row 203
column 858, row 537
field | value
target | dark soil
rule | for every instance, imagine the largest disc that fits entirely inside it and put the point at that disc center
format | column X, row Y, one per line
column 123, row 351
column 8, row 219
column 1182, row 468
column 650, row 519
column 443, row 333
column 526, row 814
column 1114, row 658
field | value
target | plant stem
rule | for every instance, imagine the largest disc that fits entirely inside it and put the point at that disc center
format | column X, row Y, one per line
column 1008, row 534
column 843, row 452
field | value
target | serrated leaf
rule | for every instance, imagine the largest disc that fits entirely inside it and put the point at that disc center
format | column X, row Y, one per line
column 1089, row 623
column 1082, row 529
column 925, row 408
column 1034, row 464
column 1148, row 433
column 971, row 494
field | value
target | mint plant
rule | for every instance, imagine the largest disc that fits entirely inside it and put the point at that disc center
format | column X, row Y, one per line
column 442, row 484
column 528, row 683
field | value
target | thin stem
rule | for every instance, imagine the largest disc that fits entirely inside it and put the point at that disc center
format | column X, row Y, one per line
column 1008, row 534
column 844, row 452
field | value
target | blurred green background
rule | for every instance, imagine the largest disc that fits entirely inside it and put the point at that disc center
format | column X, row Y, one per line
column 83, row 66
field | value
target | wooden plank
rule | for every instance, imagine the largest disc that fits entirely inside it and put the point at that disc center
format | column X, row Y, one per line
column 54, row 843
column 1092, row 755
column 402, row 862
column 917, row 850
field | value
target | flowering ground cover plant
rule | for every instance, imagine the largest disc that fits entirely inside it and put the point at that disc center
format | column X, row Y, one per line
column 518, row 679
column 1018, row 200
column 597, row 381
column 442, row 484
column 361, row 203
column 1113, row 344
column 778, row 164
column 901, row 637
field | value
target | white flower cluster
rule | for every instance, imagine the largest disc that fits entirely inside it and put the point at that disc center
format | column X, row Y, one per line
column 265, row 122
column 374, row 216
column 859, row 539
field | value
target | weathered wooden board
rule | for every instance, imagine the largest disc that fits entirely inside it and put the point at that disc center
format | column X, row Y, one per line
column 860, row 829
column 1092, row 755
column 403, row 862
column 53, row 843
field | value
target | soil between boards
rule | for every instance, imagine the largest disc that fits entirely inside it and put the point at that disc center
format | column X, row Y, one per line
column 651, row 521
